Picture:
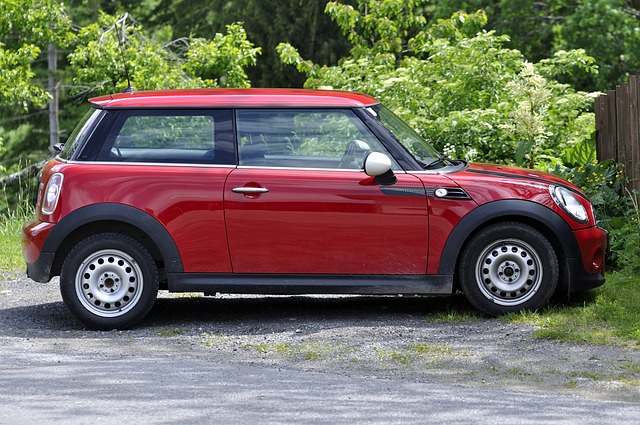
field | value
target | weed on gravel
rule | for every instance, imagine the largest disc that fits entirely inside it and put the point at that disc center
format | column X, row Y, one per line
column 608, row 315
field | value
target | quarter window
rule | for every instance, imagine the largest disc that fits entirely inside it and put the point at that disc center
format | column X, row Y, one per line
column 197, row 137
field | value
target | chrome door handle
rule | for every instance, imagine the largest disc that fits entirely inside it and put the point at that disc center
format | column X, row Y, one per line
column 250, row 190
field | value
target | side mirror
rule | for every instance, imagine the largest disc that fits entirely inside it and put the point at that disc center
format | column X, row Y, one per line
column 378, row 165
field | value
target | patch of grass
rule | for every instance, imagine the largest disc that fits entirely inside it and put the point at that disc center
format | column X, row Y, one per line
column 516, row 371
column 213, row 340
column 305, row 350
column 170, row 332
column 593, row 376
column 607, row 315
column 418, row 353
column 450, row 309
column 11, row 222
column 633, row 367
column 400, row 356
column 455, row 315
column 437, row 349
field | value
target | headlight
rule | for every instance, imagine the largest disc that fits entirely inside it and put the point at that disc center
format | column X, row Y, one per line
column 569, row 203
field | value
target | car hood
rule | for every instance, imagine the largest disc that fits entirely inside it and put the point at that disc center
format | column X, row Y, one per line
column 489, row 182
column 506, row 171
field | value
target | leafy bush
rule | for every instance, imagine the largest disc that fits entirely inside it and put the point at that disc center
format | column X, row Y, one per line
column 457, row 84
column 100, row 49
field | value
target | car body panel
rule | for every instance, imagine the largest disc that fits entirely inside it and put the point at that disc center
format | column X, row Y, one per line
column 234, row 98
column 186, row 200
column 325, row 221
column 487, row 183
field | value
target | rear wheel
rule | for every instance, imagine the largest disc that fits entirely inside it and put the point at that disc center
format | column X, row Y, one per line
column 109, row 281
column 508, row 267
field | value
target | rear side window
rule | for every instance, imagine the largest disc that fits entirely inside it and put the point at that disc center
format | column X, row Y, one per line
column 80, row 133
column 200, row 137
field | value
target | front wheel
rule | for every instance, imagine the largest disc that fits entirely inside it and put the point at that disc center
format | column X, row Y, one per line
column 109, row 281
column 508, row 267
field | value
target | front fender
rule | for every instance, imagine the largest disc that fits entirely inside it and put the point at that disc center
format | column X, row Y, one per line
column 539, row 216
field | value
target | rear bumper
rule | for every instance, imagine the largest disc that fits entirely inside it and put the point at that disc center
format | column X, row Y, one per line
column 40, row 270
column 39, row 263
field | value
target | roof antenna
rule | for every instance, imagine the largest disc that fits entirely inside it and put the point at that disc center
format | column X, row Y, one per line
column 122, row 40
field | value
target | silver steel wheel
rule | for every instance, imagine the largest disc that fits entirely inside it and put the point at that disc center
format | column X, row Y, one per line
column 509, row 272
column 109, row 283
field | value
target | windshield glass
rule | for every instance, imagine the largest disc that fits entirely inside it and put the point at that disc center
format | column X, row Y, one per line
column 421, row 150
column 79, row 133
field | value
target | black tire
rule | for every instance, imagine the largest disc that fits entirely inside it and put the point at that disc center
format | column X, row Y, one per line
column 109, row 281
column 508, row 267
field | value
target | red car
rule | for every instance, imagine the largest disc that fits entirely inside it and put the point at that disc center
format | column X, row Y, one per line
column 276, row 191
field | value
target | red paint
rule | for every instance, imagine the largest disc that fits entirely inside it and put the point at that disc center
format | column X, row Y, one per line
column 233, row 98
column 319, row 222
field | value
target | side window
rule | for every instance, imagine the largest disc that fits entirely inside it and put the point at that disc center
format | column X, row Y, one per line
column 172, row 137
column 331, row 138
column 80, row 133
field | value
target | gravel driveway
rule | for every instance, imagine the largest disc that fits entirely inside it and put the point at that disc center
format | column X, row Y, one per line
column 382, row 337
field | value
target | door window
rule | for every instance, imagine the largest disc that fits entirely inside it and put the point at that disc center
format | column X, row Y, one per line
column 334, row 139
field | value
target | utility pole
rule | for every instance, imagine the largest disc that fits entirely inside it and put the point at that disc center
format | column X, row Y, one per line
column 54, row 127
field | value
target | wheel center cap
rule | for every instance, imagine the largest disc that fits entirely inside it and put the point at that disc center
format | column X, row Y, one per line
column 508, row 272
column 109, row 283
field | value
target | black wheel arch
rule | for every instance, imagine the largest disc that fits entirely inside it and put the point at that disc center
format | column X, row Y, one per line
column 111, row 217
column 545, row 220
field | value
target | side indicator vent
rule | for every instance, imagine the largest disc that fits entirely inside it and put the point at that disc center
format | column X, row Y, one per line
column 448, row 193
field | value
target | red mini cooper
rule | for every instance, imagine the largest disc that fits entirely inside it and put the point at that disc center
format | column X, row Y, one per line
column 275, row 191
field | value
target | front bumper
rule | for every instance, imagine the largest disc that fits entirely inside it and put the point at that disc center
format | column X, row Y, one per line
column 587, row 271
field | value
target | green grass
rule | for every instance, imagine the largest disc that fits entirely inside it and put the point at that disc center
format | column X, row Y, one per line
column 304, row 350
column 170, row 332
column 10, row 229
column 423, row 353
column 608, row 315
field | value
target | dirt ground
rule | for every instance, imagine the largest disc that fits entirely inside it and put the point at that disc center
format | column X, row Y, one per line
column 386, row 337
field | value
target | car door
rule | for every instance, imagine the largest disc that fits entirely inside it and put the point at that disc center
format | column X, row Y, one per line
column 299, row 202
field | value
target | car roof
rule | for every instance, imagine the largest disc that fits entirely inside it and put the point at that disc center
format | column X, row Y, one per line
column 233, row 98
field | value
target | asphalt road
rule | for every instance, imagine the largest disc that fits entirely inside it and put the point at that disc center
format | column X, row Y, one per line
column 49, row 388
column 168, row 371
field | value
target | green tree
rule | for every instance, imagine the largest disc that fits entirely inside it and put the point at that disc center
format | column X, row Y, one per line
column 267, row 23
column 608, row 30
column 456, row 83
column 27, row 27
column 113, row 48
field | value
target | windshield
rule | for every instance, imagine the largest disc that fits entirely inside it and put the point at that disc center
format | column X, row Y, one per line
column 79, row 133
column 421, row 150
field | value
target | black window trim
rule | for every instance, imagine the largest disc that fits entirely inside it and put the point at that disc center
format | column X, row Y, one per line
column 225, row 154
column 357, row 111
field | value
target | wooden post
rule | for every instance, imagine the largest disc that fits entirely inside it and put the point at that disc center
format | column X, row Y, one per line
column 54, row 126
column 622, row 127
column 634, row 129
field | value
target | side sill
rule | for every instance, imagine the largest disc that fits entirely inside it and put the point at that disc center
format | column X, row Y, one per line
column 310, row 284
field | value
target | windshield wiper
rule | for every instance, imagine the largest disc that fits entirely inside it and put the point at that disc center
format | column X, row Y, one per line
column 441, row 158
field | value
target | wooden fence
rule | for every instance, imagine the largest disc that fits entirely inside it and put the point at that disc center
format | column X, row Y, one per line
column 618, row 128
